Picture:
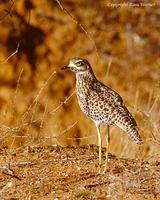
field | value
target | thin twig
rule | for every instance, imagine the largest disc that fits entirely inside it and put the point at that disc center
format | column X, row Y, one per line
column 7, row 12
column 153, row 105
column 17, row 88
column 18, row 82
column 35, row 101
column 6, row 170
column 43, row 117
column 80, row 25
column 108, row 69
column 63, row 132
column 15, row 52
column 55, row 160
column 62, row 103
column 136, row 101
column 4, row 187
column 51, row 137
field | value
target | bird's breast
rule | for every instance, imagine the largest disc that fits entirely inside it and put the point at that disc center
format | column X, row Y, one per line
column 83, row 92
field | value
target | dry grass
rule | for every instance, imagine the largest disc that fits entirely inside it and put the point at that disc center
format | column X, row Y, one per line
column 37, row 101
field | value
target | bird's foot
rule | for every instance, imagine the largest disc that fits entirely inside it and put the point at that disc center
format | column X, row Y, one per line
column 105, row 169
column 99, row 169
column 102, row 170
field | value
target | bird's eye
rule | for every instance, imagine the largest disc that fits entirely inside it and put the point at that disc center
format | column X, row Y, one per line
column 79, row 63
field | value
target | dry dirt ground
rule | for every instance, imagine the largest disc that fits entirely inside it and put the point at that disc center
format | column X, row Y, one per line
column 37, row 99
column 53, row 172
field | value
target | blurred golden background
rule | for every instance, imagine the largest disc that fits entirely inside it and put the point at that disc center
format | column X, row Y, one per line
column 37, row 100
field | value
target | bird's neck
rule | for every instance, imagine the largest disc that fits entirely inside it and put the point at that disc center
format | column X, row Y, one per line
column 89, row 75
column 85, row 80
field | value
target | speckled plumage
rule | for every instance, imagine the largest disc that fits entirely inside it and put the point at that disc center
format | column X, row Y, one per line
column 99, row 102
column 104, row 105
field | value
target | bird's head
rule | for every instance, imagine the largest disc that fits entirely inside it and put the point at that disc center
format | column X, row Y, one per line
column 78, row 65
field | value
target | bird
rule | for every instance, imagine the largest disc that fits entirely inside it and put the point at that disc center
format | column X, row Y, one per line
column 101, row 104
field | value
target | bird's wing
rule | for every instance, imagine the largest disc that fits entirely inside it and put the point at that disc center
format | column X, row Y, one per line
column 115, row 97
column 107, row 93
column 125, row 115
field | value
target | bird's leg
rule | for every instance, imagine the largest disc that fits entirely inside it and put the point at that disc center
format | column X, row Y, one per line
column 107, row 148
column 100, row 144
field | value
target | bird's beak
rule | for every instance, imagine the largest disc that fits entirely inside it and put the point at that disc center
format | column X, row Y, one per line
column 65, row 67
column 70, row 66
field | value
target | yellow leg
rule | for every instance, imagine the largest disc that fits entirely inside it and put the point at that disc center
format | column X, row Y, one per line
column 100, row 144
column 107, row 148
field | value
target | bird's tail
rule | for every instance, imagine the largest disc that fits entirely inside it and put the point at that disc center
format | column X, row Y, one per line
column 127, row 123
column 132, row 131
column 135, row 135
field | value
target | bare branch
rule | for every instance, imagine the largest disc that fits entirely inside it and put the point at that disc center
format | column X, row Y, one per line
column 17, row 86
column 6, row 170
column 62, row 103
column 7, row 12
column 108, row 69
column 35, row 101
column 4, row 187
column 15, row 52
column 89, row 36
column 67, row 129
